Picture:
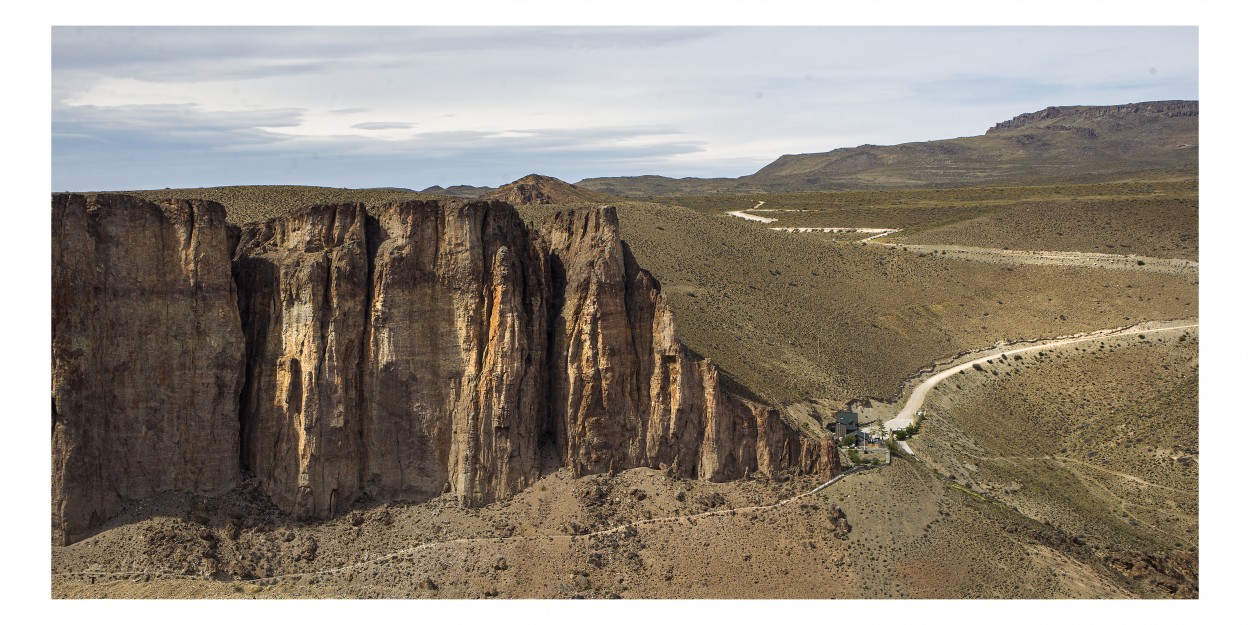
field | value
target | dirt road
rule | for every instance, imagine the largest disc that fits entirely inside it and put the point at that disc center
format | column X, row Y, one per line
column 1097, row 260
column 1040, row 257
column 742, row 214
column 914, row 401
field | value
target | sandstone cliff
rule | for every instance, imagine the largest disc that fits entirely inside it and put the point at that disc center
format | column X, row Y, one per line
column 626, row 393
column 147, row 355
column 401, row 351
column 399, row 354
column 302, row 299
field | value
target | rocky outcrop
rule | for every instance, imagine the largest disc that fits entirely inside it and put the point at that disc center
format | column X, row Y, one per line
column 626, row 393
column 147, row 355
column 400, row 352
column 456, row 352
column 536, row 189
column 1139, row 111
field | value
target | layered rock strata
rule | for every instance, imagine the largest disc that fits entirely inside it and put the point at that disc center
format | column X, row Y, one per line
column 400, row 352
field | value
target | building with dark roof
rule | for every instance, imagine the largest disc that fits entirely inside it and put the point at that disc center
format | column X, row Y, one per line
column 845, row 422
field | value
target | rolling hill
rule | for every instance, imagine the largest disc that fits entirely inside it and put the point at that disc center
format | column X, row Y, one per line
column 536, row 189
column 1059, row 143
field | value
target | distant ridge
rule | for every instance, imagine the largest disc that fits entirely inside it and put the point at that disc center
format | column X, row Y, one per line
column 536, row 189
column 1164, row 108
column 459, row 190
column 1055, row 144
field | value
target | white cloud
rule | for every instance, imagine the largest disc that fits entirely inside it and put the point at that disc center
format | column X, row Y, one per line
column 607, row 101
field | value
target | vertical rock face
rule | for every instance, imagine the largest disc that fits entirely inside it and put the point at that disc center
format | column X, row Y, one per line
column 399, row 355
column 302, row 297
column 402, row 352
column 147, row 355
column 626, row 393
column 456, row 352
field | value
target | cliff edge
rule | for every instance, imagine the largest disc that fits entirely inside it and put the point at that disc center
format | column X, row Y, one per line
column 400, row 351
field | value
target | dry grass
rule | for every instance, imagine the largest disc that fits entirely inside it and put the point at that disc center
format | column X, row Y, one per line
column 796, row 318
column 1148, row 218
column 1099, row 439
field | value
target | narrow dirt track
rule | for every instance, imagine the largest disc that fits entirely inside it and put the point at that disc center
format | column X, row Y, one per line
column 496, row 540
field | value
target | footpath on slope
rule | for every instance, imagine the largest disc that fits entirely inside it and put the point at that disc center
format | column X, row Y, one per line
column 494, row 540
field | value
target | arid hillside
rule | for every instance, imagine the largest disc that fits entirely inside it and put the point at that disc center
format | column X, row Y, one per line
column 1098, row 439
column 1018, row 490
column 1154, row 218
column 536, row 189
column 1058, row 144
column 798, row 318
column 899, row 531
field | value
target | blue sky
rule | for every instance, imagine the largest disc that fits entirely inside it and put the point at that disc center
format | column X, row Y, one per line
column 152, row 107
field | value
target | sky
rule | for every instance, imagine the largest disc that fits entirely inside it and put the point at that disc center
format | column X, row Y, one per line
column 154, row 107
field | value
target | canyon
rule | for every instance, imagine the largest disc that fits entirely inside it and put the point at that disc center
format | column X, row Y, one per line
column 396, row 351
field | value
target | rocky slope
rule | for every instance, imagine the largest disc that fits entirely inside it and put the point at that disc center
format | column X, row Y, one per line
column 400, row 352
column 1086, row 116
column 536, row 189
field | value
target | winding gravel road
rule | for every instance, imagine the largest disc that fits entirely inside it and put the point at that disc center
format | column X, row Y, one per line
column 907, row 415
column 742, row 214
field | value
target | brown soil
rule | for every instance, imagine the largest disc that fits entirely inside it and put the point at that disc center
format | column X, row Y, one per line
column 910, row 535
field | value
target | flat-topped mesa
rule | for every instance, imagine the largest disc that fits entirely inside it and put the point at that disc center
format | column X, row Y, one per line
column 401, row 352
column 147, row 355
column 626, row 393
column 1139, row 110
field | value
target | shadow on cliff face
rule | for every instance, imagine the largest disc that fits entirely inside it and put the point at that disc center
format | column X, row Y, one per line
column 551, row 443
column 405, row 351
